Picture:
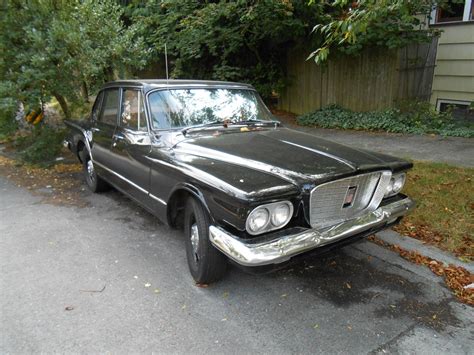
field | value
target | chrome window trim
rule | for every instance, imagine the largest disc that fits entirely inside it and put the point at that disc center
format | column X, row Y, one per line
column 145, row 108
column 199, row 86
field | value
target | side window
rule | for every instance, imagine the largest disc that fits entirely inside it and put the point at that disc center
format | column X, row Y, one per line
column 110, row 107
column 133, row 112
column 160, row 111
column 97, row 106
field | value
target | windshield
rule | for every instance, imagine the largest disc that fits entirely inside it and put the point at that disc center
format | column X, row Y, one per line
column 188, row 107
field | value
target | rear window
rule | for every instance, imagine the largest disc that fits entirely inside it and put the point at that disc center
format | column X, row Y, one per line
column 110, row 107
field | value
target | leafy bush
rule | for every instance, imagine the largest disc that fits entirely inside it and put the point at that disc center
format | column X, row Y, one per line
column 416, row 118
column 8, row 124
column 225, row 40
column 41, row 146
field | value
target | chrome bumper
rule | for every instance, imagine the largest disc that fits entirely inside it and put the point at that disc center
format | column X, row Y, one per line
column 283, row 248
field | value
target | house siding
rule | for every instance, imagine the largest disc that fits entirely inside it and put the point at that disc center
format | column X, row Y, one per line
column 454, row 72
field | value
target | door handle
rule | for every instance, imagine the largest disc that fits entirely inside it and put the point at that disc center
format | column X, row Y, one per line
column 116, row 138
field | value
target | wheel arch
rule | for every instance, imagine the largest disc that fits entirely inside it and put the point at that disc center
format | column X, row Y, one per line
column 177, row 203
column 80, row 146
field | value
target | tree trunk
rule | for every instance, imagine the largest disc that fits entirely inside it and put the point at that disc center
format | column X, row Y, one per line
column 63, row 104
column 85, row 91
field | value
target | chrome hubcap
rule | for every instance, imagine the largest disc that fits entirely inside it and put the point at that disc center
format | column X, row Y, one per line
column 195, row 240
column 90, row 170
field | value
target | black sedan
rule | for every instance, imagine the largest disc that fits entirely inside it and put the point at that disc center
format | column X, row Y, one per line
column 209, row 157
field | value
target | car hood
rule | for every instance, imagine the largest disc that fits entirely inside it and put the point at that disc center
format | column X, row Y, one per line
column 283, row 154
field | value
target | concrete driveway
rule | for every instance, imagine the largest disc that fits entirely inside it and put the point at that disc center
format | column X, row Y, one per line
column 110, row 278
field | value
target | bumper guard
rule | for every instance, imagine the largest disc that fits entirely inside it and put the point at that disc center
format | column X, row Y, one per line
column 283, row 248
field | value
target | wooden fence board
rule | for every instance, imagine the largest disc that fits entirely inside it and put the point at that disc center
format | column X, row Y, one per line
column 373, row 80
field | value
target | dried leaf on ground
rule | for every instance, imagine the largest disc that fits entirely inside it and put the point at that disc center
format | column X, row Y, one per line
column 455, row 277
column 58, row 185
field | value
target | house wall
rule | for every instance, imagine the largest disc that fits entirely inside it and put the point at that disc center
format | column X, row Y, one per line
column 454, row 71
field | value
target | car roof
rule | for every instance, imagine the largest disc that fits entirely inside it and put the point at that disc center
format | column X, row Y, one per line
column 151, row 84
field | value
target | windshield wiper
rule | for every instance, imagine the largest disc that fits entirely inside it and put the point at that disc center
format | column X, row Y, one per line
column 226, row 123
column 253, row 122
column 204, row 125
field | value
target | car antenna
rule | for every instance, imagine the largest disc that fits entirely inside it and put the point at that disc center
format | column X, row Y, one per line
column 166, row 63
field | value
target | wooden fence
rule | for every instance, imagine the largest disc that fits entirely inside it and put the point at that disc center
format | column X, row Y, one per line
column 373, row 80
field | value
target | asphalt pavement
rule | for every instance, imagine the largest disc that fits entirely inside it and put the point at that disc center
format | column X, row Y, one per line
column 109, row 278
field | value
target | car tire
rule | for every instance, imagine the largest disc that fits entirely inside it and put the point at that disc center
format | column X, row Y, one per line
column 93, row 181
column 206, row 263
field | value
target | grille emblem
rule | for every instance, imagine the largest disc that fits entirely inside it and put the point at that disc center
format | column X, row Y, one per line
column 350, row 196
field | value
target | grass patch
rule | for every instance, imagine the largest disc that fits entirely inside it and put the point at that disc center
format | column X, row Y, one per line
column 445, row 207
column 416, row 118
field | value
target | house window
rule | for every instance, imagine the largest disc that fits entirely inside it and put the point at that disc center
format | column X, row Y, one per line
column 453, row 11
column 461, row 110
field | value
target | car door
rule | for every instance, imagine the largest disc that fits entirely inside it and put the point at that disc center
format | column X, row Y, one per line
column 131, row 144
column 103, row 129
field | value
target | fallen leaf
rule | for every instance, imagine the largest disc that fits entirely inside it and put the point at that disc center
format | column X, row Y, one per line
column 348, row 285
column 147, row 285
column 68, row 308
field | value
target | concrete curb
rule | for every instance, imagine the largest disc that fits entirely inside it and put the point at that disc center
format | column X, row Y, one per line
column 392, row 237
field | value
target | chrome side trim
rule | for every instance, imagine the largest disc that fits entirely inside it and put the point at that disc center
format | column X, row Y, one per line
column 157, row 199
column 283, row 248
column 131, row 183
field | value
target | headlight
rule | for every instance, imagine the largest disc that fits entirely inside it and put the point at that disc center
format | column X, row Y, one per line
column 280, row 215
column 396, row 185
column 257, row 220
column 269, row 217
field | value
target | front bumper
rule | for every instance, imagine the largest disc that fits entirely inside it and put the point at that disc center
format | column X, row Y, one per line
column 282, row 248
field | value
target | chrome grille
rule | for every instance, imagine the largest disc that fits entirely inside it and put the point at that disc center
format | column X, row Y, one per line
column 328, row 204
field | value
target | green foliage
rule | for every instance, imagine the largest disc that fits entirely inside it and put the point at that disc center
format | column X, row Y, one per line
column 416, row 118
column 63, row 49
column 8, row 124
column 225, row 40
column 40, row 147
column 349, row 26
